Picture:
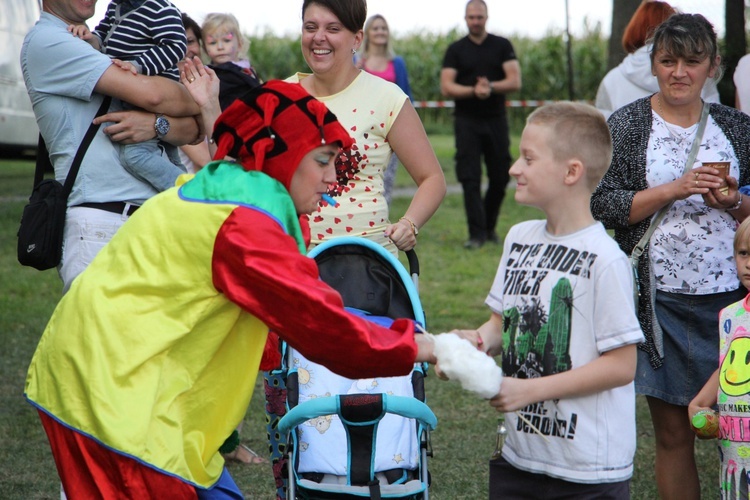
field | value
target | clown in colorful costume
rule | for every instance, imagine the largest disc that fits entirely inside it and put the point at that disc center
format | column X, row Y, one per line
column 153, row 352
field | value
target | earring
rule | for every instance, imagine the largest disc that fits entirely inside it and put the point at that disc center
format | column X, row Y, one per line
column 354, row 51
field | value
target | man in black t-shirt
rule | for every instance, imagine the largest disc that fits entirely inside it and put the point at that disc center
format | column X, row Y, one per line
column 478, row 70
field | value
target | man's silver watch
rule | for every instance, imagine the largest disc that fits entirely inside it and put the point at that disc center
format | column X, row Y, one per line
column 161, row 125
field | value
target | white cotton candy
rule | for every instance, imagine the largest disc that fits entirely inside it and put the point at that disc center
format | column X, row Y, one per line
column 459, row 360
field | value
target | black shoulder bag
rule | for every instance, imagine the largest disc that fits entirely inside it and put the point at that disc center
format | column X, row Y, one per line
column 40, row 236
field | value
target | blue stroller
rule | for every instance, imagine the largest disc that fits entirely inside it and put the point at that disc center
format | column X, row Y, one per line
column 366, row 438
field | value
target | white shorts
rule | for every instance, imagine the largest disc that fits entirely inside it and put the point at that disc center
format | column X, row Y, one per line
column 86, row 232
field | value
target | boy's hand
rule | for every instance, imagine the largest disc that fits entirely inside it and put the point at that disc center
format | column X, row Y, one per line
column 125, row 66
column 514, row 395
column 472, row 336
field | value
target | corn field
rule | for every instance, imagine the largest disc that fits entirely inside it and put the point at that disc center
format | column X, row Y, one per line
column 543, row 64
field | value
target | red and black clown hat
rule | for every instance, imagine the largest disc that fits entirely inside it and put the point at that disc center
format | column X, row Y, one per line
column 273, row 126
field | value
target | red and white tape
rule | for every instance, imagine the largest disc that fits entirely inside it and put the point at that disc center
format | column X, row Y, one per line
column 509, row 104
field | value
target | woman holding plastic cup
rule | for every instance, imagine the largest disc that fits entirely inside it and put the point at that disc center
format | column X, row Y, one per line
column 686, row 273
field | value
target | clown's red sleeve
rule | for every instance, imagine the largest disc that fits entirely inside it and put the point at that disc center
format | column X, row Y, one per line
column 259, row 267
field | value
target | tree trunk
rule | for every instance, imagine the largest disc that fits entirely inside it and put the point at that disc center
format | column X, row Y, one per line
column 622, row 11
column 734, row 47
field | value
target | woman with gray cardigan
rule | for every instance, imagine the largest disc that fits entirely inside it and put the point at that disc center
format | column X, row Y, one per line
column 686, row 274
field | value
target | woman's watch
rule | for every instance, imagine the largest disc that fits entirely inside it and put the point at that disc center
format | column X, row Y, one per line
column 161, row 125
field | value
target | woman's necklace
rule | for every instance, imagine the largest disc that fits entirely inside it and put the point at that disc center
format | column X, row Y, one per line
column 678, row 138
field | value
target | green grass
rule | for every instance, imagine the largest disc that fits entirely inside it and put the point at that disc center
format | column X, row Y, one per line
column 453, row 286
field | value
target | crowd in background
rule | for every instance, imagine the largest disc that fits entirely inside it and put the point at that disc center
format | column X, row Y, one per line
column 656, row 180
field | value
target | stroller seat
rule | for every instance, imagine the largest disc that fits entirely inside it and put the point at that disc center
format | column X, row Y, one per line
column 360, row 417
column 359, row 438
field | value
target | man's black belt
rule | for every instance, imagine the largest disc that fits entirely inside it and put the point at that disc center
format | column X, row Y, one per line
column 116, row 207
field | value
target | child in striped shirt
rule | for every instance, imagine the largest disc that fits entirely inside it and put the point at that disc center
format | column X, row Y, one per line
column 150, row 36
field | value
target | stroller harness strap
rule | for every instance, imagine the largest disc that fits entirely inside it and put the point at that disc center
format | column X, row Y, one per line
column 361, row 413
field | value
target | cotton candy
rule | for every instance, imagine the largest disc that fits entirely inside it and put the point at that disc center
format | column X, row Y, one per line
column 459, row 360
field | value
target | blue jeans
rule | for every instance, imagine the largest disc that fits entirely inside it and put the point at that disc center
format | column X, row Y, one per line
column 144, row 161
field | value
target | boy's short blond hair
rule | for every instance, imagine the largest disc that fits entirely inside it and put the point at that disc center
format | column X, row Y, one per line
column 577, row 131
column 742, row 236
column 224, row 23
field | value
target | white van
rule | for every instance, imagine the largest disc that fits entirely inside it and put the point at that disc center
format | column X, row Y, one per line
column 18, row 130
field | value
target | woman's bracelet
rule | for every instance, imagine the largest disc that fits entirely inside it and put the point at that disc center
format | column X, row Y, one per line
column 737, row 205
column 414, row 228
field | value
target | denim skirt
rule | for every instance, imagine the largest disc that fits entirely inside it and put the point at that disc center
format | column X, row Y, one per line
column 691, row 345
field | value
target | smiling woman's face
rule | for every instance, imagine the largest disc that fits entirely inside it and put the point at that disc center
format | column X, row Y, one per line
column 326, row 44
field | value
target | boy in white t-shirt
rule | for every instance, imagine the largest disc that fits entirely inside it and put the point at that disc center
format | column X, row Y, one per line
column 563, row 318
